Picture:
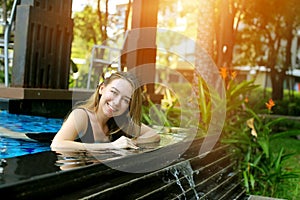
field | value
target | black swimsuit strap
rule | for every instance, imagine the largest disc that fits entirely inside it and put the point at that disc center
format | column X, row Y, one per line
column 88, row 137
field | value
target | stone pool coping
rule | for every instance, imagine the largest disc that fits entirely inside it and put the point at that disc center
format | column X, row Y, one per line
column 12, row 134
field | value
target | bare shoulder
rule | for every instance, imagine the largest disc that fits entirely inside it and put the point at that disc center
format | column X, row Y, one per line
column 79, row 111
column 75, row 123
column 78, row 114
column 78, row 117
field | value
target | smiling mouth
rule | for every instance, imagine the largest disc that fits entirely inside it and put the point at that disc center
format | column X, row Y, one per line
column 112, row 109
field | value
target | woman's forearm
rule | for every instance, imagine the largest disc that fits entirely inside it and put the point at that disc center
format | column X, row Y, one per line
column 122, row 142
column 148, row 137
column 72, row 145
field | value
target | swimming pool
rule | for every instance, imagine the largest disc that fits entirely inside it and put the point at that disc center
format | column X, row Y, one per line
column 29, row 168
column 14, row 142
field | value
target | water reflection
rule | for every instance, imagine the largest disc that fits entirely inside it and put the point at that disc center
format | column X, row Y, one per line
column 73, row 159
column 27, row 167
column 14, row 169
column 70, row 159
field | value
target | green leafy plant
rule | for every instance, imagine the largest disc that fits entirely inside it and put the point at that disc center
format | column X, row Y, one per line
column 250, row 137
column 262, row 167
column 211, row 102
column 152, row 114
column 237, row 93
column 205, row 104
column 236, row 102
column 168, row 116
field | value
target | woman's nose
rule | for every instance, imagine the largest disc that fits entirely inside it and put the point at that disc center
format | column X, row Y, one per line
column 117, row 100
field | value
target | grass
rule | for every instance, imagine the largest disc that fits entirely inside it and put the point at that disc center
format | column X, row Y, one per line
column 287, row 106
column 289, row 189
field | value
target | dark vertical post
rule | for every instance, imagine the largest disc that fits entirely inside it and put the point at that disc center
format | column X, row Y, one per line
column 43, row 39
column 144, row 15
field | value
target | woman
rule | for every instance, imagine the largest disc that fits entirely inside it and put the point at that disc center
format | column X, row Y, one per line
column 109, row 119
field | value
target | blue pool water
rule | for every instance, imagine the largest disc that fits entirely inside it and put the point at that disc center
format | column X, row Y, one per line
column 13, row 141
column 26, row 123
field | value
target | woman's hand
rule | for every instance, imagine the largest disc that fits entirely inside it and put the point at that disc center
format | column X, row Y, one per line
column 123, row 143
column 148, row 135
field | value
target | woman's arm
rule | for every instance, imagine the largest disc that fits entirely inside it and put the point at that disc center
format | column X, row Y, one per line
column 121, row 143
column 72, row 126
column 148, row 135
column 77, row 123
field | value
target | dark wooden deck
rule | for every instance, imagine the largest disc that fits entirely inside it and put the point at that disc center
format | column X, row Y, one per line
column 41, row 93
column 150, row 175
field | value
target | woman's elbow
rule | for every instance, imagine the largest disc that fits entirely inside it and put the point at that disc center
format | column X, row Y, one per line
column 55, row 144
column 156, row 138
column 148, row 139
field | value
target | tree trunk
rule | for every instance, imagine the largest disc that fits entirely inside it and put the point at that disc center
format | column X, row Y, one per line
column 103, row 21
column 205, row 39
column 288, row 55
column 277, row 80
column 127, row 16
column 277, row 77
column 225, row 40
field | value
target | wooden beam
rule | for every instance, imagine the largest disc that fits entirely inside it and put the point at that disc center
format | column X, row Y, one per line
column 40, row 93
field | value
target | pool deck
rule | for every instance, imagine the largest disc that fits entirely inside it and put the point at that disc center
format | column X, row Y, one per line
column 42, row 93
column 175, row 171
column 40, row 101
column 12, row 134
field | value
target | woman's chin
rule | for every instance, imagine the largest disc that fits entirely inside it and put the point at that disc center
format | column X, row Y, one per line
column 109, row 115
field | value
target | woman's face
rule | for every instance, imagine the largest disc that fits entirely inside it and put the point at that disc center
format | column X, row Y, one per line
column 116, row 97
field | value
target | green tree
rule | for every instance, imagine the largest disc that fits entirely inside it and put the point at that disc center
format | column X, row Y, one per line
column 86, row 32
column 218, row 25
column 90, row 28
column 269, row 27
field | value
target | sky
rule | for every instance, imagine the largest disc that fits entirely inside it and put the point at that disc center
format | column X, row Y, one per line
column 78, row 5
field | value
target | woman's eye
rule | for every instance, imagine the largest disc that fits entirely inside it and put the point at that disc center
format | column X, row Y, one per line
column 114, row 92
column 127, row 101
